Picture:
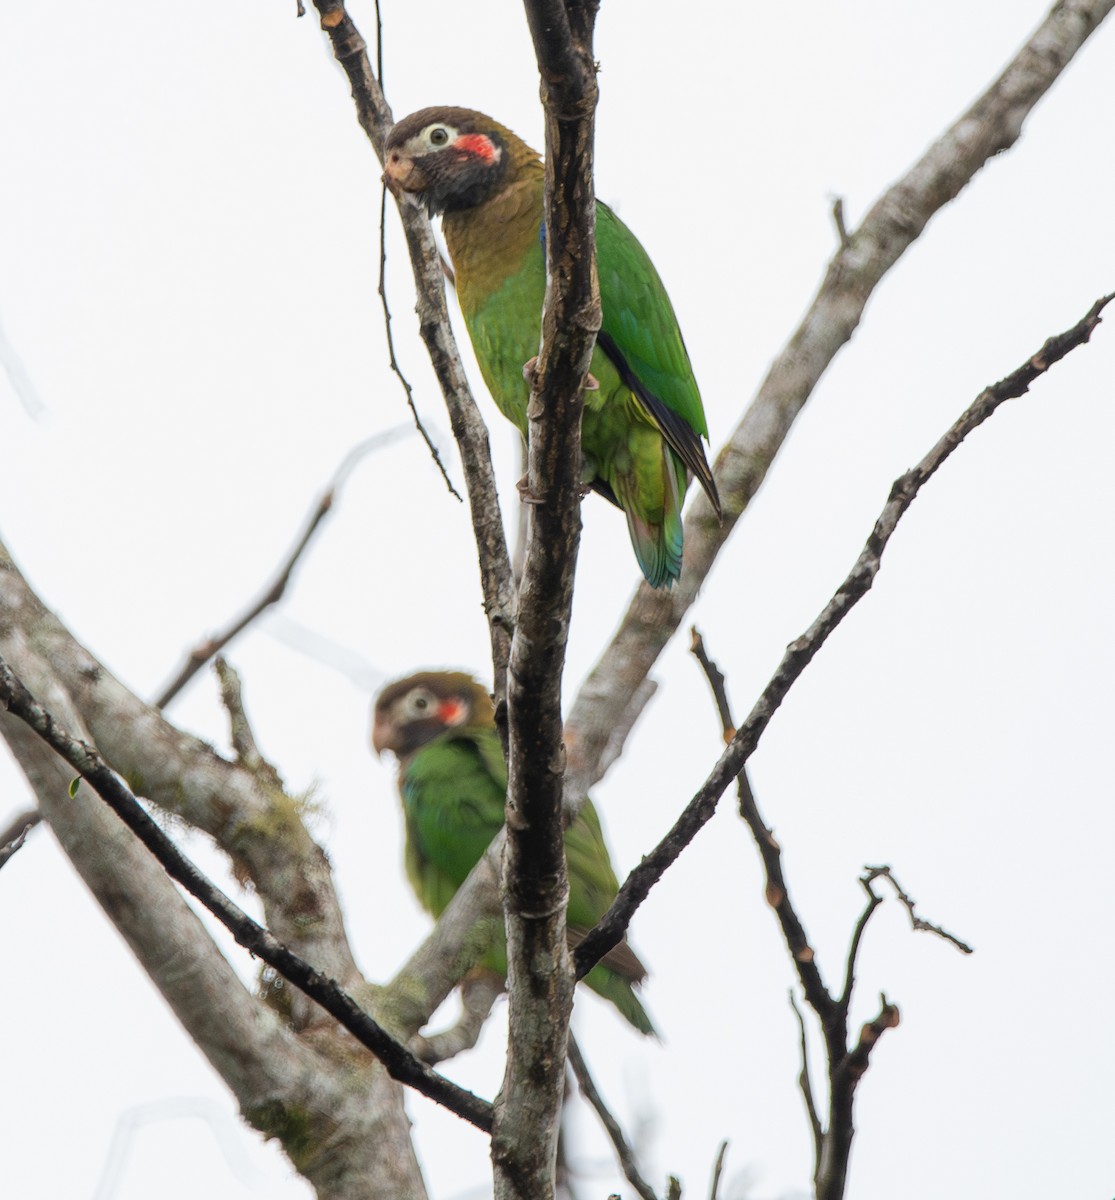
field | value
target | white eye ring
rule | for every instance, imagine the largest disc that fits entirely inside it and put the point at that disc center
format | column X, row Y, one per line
column 438, row 136
column 420, row 703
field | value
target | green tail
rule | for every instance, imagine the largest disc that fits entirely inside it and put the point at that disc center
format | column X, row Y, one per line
column 658, row 548
column 613, row 987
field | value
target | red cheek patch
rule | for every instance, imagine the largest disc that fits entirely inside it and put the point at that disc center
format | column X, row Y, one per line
column 478, row 144
column 452, row 712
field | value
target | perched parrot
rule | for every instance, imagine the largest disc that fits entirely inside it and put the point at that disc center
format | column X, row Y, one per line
column 453, row 783
column 643, row 422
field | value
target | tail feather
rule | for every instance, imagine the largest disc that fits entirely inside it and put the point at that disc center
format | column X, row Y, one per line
column 619, row 991
column 658, row 547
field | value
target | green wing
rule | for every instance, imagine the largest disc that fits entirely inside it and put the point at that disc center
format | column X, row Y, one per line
column 640, row 334
column 592, row 888
column 639, row 318
column 592, row 881
column 453, row 793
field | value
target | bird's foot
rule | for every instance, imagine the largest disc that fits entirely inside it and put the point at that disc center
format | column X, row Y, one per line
column 525, row 494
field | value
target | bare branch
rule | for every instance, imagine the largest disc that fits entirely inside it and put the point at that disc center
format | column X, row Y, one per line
column 243, row 739
column 276, row 589
column 801, row 652
column 777, row 890
column 468, row 427
column 261, row 830
column 535, row 887
column 895, row 221
column 400, row 1063
column 717, row 1171
column 716, row 681
column 19, row 826
column 838, row 220
column 873, row 902
column 9, row 845
column 268, row 1068
column 479, row 991
column 832, row 1169
column 407, row 389
column 806, row 1083
column 916, row 922
column 624, row 1151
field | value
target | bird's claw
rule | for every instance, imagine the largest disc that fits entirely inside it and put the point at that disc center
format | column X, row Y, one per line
column 525, row 494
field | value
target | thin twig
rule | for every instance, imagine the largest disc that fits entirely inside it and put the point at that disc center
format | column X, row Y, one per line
column 8, row 846
column 838, row 221
column 992, row 124
column 480, row 990
column 622, row 1146
column 240, row 729
column 806, row 1083
column 407, row 389
column 916, row 922
column 873, row 902
column 777, row 890
column 801, row 652
column 20, row 825
column 379, row 47
column 396, row 1058
column 469, row 430
column 718, row 1171
column 273, row 593
column 716, row 681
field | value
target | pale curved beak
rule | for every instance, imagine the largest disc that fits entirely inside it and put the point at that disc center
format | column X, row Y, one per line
column 381, row 736
column 401, row 175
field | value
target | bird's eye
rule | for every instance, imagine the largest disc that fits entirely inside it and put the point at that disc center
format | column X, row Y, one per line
column 439, row 135
column 420, row 703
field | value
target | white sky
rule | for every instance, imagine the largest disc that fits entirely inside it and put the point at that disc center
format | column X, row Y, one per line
column 188, row 249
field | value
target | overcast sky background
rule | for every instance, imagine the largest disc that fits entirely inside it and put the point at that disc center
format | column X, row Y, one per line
column 188, row 257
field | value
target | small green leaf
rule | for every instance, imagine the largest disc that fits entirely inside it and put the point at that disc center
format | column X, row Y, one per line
column 75, row 783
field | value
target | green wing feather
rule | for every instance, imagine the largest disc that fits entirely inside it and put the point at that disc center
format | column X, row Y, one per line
column 453, row 804
column 640, row 320
column 643, row 425
column 454, row 791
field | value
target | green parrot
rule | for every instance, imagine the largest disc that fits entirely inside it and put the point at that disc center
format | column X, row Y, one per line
column 453, row 783
column 643, row 420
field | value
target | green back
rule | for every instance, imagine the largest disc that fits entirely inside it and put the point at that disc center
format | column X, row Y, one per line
column 503, row 313
column 454, row 791
column 638, row 316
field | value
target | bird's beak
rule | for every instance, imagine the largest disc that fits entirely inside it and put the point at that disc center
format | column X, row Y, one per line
column 402, row 175
column 381, row 736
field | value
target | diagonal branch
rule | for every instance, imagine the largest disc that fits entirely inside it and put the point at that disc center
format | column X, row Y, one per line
column 9, row 845
column 993, row 124
column 261, row 829
column 18, row 828
column 916, row 923
column 469, row 430
column 801, row 652
column 408, row 391
column 400, row 1063
column 276, row 589
column 624, row 1151
column 806, row 1083
column 831, row 1145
